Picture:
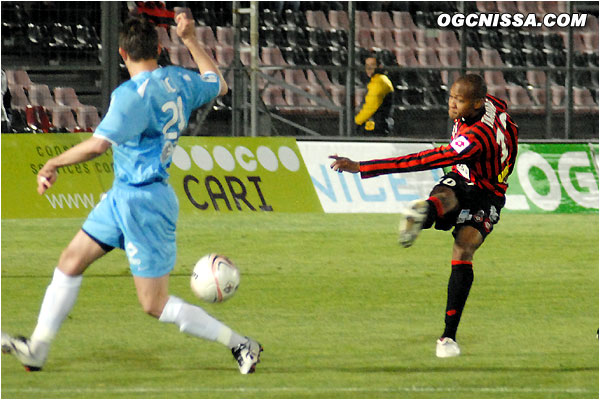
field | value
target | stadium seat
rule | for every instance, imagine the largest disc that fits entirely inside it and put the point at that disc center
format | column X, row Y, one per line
column 507, row 7
column 273, row 96
column 427, row 57
column 590, row 41
column 549, row 7
column 225, row 36
column 273, row 56
column 364, row 39
column 297, row 102
column 383, row 39
column 87, row 118
column 318, row 56
column 175, row 39
column 20, row 77
column 39, row 95
column 405, row 38
column 519, row 99
column 536, row 78
column 583, row 101
column 19, row 100
column 163, row 37
column 63, row 120
column 339, row 19
column 382, row 20
column 205, row 36
column 539, row 96
column 473, row 59
column 317, row 19
column 527, row 7
column 318, row 77
column 559, row 94
column 491, row 58
column 224, row 55
column 338, row 95
column 494, row 78
column 181, row 56
column 406, row 57
column 426, row 38
column 447, row 39
column 403, row 20
column 449, row 58
column 37, row 119
column 362, row 20
column 359, row 96
column 486, row 6
column 296, row 77
column 66, row 96
column 499, row 91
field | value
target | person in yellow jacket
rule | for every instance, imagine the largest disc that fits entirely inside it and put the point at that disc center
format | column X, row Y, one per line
column 375, row 115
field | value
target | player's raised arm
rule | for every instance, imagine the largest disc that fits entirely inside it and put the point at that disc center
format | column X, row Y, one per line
column 341, row 164
column 187, row 33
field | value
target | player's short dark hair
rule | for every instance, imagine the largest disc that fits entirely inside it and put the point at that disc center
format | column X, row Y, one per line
column 138, row 37
column 476, row 84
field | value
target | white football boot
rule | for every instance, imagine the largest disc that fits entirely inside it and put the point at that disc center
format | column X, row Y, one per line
column 411, row 222
column 21, row 348
column 447, row 347
column 247, row 355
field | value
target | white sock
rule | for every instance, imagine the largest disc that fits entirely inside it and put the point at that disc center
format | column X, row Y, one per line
column 58, row 301
column 195, row 321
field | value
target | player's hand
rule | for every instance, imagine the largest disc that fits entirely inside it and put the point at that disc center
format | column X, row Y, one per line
column 341, row 164
column 46, row 178
column 185, row 26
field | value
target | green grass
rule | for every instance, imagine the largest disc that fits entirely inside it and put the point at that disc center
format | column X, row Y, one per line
column 341, row 309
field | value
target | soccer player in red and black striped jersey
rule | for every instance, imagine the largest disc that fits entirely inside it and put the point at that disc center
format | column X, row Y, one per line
column 482, row 154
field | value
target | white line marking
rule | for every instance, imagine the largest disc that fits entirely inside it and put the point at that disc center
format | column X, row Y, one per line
column 415, row 389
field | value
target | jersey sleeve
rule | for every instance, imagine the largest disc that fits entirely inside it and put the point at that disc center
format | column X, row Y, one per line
column 204, row 87
column 461, row 149
column 125, row 118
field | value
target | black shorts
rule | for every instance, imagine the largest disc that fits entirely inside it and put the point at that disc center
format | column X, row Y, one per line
column 476, row 207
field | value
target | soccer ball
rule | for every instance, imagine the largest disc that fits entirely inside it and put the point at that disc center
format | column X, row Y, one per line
column 215, row 278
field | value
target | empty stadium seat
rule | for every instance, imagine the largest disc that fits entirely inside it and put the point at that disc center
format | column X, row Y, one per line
column 224, row 55
column 498, row 91
column 205, row 36
column 318, row 77
column 403, row 20
column 447, row 39
column 37, row 119
column 364, row 39
column 507, row 7
column 383, row 39
column 39, row 95
column 18, row 77
column 63, row 120
column 225, row 35
column 583, row 100
column 317, row 19
column 19, row 100
column 405, row 38
column 426, row 38
column 273, row 96
column 181, row 56
column 382, row 20
column 362, row 20
column 339, row 19
column 163, row 37
column 536, row 78
column 87, row 118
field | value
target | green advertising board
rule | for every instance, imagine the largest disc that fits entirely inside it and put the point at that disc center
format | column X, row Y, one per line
column 208, row 175
column 241, row 174
column 554, row 178
column 74, row 194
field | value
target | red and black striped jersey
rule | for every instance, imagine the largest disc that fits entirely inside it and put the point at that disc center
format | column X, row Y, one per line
column 483, row 150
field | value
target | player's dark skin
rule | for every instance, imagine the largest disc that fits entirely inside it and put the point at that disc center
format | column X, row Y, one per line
column 461, row 104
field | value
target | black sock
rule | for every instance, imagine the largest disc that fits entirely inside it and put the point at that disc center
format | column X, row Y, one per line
column 459, row 286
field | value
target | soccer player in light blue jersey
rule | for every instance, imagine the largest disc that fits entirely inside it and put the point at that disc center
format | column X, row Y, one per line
column 139, row 213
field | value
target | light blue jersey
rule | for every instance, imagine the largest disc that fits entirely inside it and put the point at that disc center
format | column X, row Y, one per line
column 144, row 120
column 146, row 116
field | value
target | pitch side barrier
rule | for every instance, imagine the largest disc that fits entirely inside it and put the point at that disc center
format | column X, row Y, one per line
column 547, row 178
column 209, row 174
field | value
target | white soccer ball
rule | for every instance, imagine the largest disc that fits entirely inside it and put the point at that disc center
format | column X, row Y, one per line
column 215, row 278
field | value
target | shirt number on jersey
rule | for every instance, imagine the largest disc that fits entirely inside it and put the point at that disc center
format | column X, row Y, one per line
column 176, row 118
column 501, row 140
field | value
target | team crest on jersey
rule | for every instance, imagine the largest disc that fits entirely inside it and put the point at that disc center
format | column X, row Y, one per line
column 460, row 143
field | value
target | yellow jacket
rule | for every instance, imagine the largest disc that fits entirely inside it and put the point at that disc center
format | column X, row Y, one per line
column 379, row 86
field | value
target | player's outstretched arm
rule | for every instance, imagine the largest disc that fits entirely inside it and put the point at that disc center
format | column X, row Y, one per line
column 187, row 33
column 84, row 151
column 341, row 164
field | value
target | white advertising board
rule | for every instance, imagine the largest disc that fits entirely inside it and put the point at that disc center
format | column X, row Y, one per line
column 348, row 193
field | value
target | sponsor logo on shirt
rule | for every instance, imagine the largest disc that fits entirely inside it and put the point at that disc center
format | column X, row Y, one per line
column 460, row 143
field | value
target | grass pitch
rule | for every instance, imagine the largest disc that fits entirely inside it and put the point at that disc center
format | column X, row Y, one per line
column 341, row 309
